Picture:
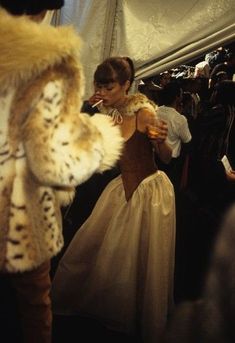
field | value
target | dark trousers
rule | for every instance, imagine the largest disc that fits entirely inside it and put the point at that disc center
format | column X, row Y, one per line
column 32, row 289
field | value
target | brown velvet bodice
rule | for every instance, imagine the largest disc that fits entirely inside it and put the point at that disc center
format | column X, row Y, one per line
column 137, row 162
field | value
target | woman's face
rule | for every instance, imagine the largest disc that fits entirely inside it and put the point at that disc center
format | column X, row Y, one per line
column 113, row 94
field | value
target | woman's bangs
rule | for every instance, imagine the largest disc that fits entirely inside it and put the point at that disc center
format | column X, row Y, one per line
column 104, row 75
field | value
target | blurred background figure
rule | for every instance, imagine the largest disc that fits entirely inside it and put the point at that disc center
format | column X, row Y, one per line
column 202, row 69
column 227, row 66
column 178, row 130
column 211, row 317
column 217, row 56
column 164, row 79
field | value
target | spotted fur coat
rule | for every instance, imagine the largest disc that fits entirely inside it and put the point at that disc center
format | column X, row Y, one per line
column 46, row 146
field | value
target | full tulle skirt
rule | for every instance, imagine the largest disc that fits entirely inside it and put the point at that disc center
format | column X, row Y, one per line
column 119, row 267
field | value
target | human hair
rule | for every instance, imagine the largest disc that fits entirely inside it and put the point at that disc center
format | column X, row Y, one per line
column 132, row 68
column 164, row 78
column 170, row 92
column 186, row 98
column 30, row 7
column 115, row 69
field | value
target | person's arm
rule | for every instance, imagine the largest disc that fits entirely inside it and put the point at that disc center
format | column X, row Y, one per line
column 64, row 147
column 156, row 130
column 163, row 150
column 230, row 175
column 158, row 140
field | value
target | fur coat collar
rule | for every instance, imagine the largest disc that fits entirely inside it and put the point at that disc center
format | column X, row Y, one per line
column 134, row 103
column 50, row 46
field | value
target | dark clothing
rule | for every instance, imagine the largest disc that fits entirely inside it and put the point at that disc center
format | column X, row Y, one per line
column 31, row 290
column 229, row 69
column 212, row 142
column 202, row 204
column 87, row 108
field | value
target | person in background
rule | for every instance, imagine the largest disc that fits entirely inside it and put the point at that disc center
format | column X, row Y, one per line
column 210, row 191
column 210, row 318
column 217, row 78
column 164, row 79
column 119, row 266
column 149, row 88
column 227, row 66
column 217, row 56
column 202, row 69
column 46, row 148
column 178, row 129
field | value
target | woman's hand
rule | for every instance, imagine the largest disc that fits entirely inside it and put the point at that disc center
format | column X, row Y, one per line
column 94, row 99
column 230, row 175
column 157, row 131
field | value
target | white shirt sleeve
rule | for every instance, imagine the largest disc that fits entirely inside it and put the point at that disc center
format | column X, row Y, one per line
column 184, row 132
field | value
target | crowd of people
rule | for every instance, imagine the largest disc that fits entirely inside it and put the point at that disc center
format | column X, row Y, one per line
column 111, row 207
column 204, row 188
column 204, row 195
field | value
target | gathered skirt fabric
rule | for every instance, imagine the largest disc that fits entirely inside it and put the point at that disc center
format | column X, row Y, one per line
column 119, row 267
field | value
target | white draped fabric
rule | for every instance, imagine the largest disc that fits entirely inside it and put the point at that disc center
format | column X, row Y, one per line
column 156, row 34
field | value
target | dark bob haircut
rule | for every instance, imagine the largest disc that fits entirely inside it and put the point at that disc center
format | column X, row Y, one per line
column 30, row 7
column 170, row 91
column 115, row 69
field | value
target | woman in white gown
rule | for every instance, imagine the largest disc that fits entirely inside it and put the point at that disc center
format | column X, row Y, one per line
column 119, row 266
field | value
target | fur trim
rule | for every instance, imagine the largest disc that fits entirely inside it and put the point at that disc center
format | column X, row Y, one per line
column 134, row 103
column 112, row 140
column 36, row 47
column 46, row 146
column 65, row 196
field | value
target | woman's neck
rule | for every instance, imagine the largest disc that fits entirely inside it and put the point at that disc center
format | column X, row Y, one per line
column 120, row 103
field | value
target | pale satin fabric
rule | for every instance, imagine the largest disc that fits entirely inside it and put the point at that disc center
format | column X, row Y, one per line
column 119, row 266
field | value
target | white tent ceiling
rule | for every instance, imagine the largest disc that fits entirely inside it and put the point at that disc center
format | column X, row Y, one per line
column 156, row 34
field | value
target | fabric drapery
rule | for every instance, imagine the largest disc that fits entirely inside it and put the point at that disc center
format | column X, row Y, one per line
column 157, row 34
